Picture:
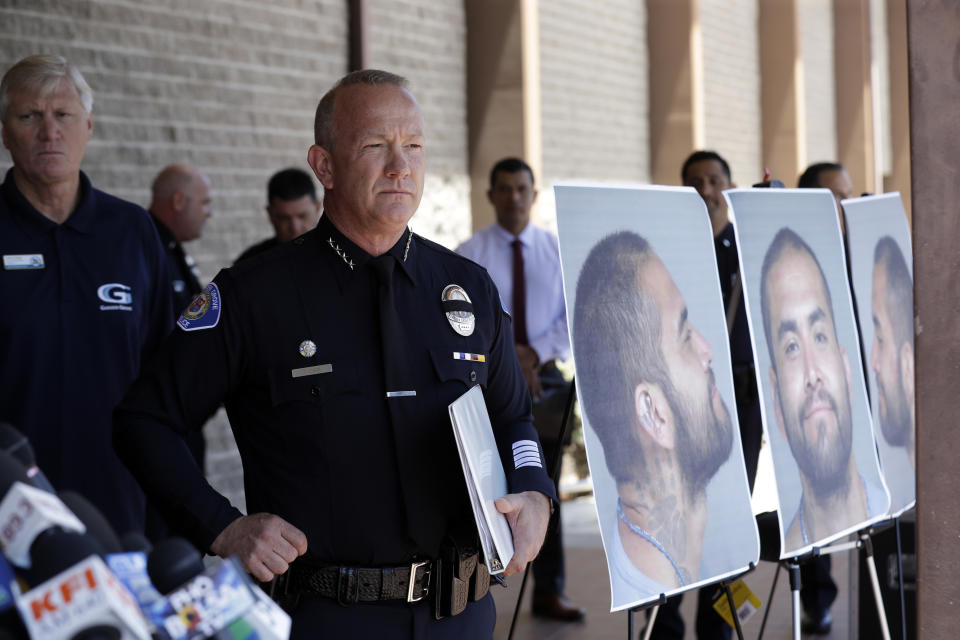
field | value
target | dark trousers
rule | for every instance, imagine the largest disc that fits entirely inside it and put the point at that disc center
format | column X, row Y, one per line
column 817, row 588
column 316, row 617
column 710, row 626
column 548, row 568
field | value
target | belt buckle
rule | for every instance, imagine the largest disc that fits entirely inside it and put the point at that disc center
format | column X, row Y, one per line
column 413, row 578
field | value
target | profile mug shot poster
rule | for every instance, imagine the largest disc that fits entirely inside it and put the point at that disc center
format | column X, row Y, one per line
column 758, row 215
column 675, row 222
column 868, row 220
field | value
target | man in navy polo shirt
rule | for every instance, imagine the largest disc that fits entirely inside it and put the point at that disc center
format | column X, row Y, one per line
column 84, row 287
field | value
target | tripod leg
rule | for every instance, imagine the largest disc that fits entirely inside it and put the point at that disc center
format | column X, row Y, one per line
column 648, row 630
column 766, row 614
column 516, row 611
column 875, row 583
column 903, row 603
column 733, row 610
column 794, row 570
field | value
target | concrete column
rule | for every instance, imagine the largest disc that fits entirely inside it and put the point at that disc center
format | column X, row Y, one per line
column 503, row 92
column 855, row 134
column 899, row 177
column 782, row 101
column 933, row 37
column 676, row 86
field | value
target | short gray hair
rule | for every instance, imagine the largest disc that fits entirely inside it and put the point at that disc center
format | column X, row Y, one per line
column 323, row 122
column 43, row 71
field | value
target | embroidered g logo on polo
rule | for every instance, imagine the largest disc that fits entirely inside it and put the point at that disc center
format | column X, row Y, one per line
column 118, row 297
column 115, row 293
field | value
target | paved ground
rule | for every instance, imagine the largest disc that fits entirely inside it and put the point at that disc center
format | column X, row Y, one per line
column 588, row 586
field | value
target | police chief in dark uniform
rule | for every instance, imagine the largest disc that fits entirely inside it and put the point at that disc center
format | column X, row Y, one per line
column 336, row 356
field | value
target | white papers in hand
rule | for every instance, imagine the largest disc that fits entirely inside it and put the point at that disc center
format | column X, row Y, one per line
column 484, row 474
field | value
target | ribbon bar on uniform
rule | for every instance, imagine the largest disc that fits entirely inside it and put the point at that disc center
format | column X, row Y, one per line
column 474, row 357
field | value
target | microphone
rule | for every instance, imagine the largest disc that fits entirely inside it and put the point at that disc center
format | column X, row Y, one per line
column 82, row 599
column 172, row 563
column 135, row 541
column 9, row 617
column 219, row 601
column 93, row 519
column 130, row 567
column 27, row 512
column 17, row 445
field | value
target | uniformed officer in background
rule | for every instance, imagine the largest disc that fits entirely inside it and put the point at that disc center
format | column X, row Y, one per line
column 336, row 356
column 292, row 208
column 84, row 289
column 180, row 206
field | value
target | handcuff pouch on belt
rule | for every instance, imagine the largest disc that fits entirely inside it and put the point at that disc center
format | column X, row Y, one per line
column 459, row 577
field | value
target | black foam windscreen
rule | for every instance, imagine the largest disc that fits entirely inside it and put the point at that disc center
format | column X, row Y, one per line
column 135, row 541
column 173, row 562
column 57, row 550
column 11, row 470
column 16, row 444
column 95, row 522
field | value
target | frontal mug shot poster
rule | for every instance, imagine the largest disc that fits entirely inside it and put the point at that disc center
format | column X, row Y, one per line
column 881, row 268
column 655, row 387
column 806, row 346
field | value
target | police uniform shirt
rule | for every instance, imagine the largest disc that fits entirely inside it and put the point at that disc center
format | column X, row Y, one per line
column 257, row 249
column 741, row 351
column 728, row 268
column 184, row 283
column 292, row 345
column 84, row 304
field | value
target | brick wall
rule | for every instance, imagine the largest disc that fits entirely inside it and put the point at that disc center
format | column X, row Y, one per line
column 593, row 67
column 228, row 85
column 815, row 22
column 731, row 86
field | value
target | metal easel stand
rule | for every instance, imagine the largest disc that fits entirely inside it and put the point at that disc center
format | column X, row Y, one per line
column 793, row 567
column 724, row 584
column 867, row 544
column 875, row 583
column 554, row 474
column 654, row 608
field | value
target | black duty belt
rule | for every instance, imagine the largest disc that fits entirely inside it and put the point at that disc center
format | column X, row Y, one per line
column 349, row 585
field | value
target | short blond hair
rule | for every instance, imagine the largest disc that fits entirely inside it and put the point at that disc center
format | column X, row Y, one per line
column 43, row 71
column 323, row 121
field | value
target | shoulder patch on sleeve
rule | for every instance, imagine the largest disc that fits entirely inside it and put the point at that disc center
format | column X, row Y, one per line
column 203, row 312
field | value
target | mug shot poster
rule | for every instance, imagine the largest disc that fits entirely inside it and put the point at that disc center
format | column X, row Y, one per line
column 675, row 223
column 869, row 219
column 758, row 215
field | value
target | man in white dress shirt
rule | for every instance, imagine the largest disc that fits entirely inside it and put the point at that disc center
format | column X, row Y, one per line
column 524, row 262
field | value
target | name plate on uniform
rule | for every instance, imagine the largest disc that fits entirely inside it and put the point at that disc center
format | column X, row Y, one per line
column 15, row 262
column 311, row 371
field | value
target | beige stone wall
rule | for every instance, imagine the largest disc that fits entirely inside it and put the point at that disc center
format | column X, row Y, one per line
column 594, row 94
column 731, row 86
column 815, row 22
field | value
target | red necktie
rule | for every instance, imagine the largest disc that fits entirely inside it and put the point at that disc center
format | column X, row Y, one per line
column 519, row 296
